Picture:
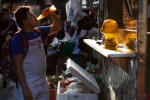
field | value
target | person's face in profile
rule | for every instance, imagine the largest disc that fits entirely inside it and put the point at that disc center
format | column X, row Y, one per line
column 31, row 19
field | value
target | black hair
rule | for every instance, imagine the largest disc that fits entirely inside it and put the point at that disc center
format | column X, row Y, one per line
column 5, row 10
column 21, row 14
column 86, row 19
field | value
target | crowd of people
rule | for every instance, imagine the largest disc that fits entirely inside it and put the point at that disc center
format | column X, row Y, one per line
column 30, row 69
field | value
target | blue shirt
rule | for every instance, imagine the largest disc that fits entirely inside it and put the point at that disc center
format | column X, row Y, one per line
column 17, row 45
column 34, row 63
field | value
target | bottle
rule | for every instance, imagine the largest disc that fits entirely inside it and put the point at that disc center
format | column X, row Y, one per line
column 47, row 12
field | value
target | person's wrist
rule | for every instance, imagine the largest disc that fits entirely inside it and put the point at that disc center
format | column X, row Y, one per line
column 52, row 14
column 26, row 89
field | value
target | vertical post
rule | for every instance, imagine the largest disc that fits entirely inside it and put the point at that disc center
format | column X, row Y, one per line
column 57, row 71
column 0, row 5
column 148, row 54
column 91, row 6
column 100, row 17
column 25, row 2
column 11, row 4
column 142, row 52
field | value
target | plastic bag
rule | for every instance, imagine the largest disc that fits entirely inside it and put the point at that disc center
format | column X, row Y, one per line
column 55, row 42
column 68, row 48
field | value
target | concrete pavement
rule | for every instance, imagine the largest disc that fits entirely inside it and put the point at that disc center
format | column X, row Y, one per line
column 7, row 93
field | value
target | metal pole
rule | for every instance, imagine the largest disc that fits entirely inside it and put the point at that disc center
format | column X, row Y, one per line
column 0, row 5
column 11, row 4
column 99, row 18
column 25, row 2
column 91, row 6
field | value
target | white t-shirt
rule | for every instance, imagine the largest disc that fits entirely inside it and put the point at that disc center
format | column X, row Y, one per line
column 73, row 9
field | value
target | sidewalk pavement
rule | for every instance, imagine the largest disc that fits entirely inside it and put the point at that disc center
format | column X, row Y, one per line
column 6, row 93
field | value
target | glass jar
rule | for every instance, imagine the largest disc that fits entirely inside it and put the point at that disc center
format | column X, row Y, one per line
column 130, row 39
column 111, row 41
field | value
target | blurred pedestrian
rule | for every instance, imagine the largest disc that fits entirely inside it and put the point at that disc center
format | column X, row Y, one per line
column 73, row 9
column 5, row 10
column 86, row 29
column 5, row 68
column 67, row 26
column 7, row 27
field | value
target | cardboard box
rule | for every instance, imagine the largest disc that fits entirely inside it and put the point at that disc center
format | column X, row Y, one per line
column 84, row 77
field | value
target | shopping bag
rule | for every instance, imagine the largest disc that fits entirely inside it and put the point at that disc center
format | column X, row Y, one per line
column 68, row 48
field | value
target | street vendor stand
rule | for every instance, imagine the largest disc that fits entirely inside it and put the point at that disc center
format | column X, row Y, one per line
column 123, row 11
column 116, row 72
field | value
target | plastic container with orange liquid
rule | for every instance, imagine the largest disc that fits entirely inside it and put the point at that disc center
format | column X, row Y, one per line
column 130, row 35
column 130, row 39
column 110, row 29
column 47, row 12
column 110, row 41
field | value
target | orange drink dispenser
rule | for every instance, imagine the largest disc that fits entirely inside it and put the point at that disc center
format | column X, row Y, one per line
column 131, row 35
column 110, row 29
column 48, row 12
column 131, row 24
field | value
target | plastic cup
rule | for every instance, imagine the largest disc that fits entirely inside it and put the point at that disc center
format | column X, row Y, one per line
column 47, row 12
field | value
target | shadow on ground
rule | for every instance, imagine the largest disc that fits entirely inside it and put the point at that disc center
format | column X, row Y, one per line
column 7, row 93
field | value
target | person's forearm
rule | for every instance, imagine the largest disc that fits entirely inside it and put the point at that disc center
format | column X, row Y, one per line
column 19, row 72
column 56, row 21
column 20, row 77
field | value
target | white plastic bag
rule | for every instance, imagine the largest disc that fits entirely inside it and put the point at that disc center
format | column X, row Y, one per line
column 55, row 42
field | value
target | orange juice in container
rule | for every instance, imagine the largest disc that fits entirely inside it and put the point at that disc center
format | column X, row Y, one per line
column 130, row 35
column 47, row 12
column 110, row 29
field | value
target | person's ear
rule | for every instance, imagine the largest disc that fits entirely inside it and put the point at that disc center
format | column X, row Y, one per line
column 25, row 22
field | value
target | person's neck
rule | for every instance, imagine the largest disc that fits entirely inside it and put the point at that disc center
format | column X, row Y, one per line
column 28, row 29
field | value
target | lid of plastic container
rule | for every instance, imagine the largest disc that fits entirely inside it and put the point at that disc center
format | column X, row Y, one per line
column 83, row 76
